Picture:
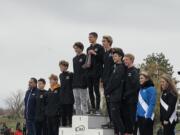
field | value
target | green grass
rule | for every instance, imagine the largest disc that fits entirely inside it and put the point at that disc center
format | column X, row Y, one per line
column 11, row 123
column 178, row 127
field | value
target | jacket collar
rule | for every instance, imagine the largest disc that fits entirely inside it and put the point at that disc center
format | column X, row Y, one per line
column 147, row 84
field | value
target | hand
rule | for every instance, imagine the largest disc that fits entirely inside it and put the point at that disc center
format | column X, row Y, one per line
column 92, row 52
column 165, row 122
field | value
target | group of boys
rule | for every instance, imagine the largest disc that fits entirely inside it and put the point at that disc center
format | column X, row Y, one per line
column 45, row 111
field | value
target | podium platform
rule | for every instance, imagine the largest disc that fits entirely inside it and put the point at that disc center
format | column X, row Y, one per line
column 87, row 125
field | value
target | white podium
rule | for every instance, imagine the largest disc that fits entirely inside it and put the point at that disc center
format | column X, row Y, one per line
column 87, row 125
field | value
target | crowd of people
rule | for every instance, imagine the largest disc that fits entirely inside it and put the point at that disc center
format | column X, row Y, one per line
column 5, row 130
column 130, row 94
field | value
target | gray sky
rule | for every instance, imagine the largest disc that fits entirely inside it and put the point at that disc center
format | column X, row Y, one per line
column 36, row 34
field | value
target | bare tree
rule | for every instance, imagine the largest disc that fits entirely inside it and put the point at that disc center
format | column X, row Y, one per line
column 1, row 111
column 15, row 103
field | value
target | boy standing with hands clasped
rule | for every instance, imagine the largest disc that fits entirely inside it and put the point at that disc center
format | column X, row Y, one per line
column 67, row 98
column 114, row 91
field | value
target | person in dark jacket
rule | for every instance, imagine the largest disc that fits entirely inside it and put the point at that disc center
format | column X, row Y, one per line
column 18, row 129
column 146, row 104
column 107, row 70
column 53, row 104
column 40, row 119
column 67, row 97
column 168, row 102
column 114, row 91
column 130, row 96
column 95, row 53
column 24, row 129
column 30, row 106
column 79, row 80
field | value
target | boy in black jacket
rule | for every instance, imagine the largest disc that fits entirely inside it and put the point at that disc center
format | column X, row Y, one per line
column 130, row 96
column 67, row 97
column 107, row 70
column 79, row 80
column 94, row 72
column 53, row 103
column 40, row 108
column 114, row 91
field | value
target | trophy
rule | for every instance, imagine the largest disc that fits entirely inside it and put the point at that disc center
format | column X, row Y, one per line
column 88, row 62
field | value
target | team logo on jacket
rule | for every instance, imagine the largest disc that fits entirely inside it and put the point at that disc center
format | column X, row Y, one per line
column 41, row 96
column 80, row 60
column 96, row 49
column 67, row 77
column 55, row 91
column 129, row 74
column 110, row 55
column 33, row 94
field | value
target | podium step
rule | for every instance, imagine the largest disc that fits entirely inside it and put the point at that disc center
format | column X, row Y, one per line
column 87, row 125
column 65, row 131
column 100, row 132
column 69, row 131
column 88, row 121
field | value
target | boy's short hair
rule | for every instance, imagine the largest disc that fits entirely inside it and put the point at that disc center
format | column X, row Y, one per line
column 118, row 51
column 42, row 80
column 34, row 80
column 108, row 38
column 130, row 56
column 64, row 63
column 94, row 34
column 79, row 45
column 53, row 77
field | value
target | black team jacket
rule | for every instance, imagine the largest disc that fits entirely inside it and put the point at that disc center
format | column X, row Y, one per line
column 115, row 86
column 79, row 76
column 40, row 105
column 107, row 67
column 171, row 100
column 96, row 68
column 132, row 85
column 66, row 79
column 53, row 102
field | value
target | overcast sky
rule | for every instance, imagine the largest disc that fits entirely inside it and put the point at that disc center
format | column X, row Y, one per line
column 36, row 34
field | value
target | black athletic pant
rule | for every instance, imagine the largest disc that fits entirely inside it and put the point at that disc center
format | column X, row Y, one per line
column 93, row 85
column 108, row 104
column 116, row 114
column 169, row 129
column 66, row 114
column 41, row 128
column 145, row 126
column 53, row 125
column 129, row 116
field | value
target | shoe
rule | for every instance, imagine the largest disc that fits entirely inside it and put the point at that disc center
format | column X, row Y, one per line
column 109, row 125
column 98, row 112
column 91, row 111
column 106, row 126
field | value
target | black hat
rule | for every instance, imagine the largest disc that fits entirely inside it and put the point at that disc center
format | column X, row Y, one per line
column 178, row 72
column 118, row 51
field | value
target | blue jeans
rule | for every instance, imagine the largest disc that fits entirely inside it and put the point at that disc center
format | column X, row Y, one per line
column 30, row 125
